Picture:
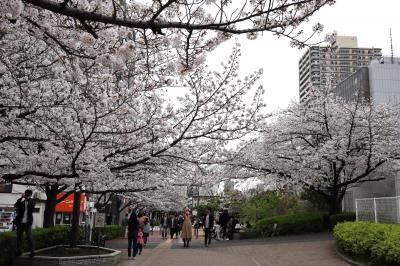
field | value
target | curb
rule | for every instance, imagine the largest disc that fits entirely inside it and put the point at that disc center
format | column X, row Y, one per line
column 347, row 259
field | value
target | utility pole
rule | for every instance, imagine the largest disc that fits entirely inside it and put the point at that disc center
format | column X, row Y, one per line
column 391, row 45
column 198, row 203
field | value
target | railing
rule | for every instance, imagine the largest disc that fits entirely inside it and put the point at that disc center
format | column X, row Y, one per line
column 379, row 210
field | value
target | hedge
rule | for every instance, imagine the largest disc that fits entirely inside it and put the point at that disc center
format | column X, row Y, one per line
column 113, row 231
column 377, row 243
column 312, row 222
column 46, row 237
column 341, row 217
column 288, row 224
column 43, row 237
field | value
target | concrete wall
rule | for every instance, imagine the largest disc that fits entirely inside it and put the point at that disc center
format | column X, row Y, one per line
column 384, row 80
column 383, row 188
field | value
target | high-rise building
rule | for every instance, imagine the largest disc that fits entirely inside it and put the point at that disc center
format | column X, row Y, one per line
column 323, row 67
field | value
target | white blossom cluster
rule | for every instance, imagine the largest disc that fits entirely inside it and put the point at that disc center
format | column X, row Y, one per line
column 327, row 145
column 81, row 84
column 73, row 120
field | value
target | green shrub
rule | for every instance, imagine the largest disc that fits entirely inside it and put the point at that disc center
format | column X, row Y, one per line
column 341, row 217
column 289, row 224
column 267, row 204
column 378, row 243
column 246, row 234
column 47, row 237
column 388, row 252
column 124, row 222
column 213, row 203
column 113, row 231
column 7, row 248
column 43, row 237
column 317, row 201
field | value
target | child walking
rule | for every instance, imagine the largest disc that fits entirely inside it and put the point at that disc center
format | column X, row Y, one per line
column 146, row 230
column 140, row 241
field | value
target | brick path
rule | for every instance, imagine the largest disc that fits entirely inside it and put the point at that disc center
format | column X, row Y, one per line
column 304, row 250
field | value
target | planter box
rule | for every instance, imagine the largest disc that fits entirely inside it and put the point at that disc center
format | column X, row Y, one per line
column 110, row 259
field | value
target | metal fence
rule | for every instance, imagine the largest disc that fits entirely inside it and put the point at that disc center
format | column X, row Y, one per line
column 379, row 210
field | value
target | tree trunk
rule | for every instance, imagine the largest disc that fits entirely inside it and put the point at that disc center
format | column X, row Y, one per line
column 51, row 201
column 335, row 201
column 335, row 207
column 50, row 207
column 75, row 219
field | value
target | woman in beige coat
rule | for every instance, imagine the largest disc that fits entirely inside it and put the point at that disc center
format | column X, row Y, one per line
column 187, row 228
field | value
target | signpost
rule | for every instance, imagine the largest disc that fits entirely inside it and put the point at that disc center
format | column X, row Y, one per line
column 99, row 219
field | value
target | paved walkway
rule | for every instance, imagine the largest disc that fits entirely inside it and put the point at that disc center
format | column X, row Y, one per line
column 304, row 250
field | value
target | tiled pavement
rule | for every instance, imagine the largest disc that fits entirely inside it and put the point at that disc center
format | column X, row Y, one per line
column 305, row 250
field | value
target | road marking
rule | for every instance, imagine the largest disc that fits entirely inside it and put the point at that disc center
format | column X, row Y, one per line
column 157, row 251
column 165, row 245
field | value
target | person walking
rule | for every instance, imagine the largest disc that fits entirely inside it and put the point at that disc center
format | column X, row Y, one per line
column 174, row 226
column 169, row 229
column 140, row 241
column 152, row 225
column 232, row 226
column 187, row 228
column 23, row 221
column 164, row 226
column 180, row 223
column 133, row 230
column 218, row 232
column 208, row 222
column 146, row 230
column 140, row 219
column 223, row 221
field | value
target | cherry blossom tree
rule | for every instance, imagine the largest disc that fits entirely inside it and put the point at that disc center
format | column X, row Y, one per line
column 81, row 80
column 87, row 133
column 326, row 145
column 188, row 21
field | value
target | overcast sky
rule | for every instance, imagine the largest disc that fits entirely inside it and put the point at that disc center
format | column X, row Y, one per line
column 369, row 20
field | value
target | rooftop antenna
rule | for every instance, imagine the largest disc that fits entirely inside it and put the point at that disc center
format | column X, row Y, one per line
column 391, row 45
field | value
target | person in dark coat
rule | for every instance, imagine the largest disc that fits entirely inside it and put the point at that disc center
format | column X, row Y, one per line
column 133, row 229
column 174, row 226
column 180, row 224
column 169, row 225
column 223, row 221
column 231, row 227
column 208, row 222
column 164, row 226
column 24, row 220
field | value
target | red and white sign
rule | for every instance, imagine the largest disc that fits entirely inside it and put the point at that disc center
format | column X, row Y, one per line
column 67, row 204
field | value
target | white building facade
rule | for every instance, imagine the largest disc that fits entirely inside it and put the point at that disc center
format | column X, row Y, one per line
column 11, row 193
